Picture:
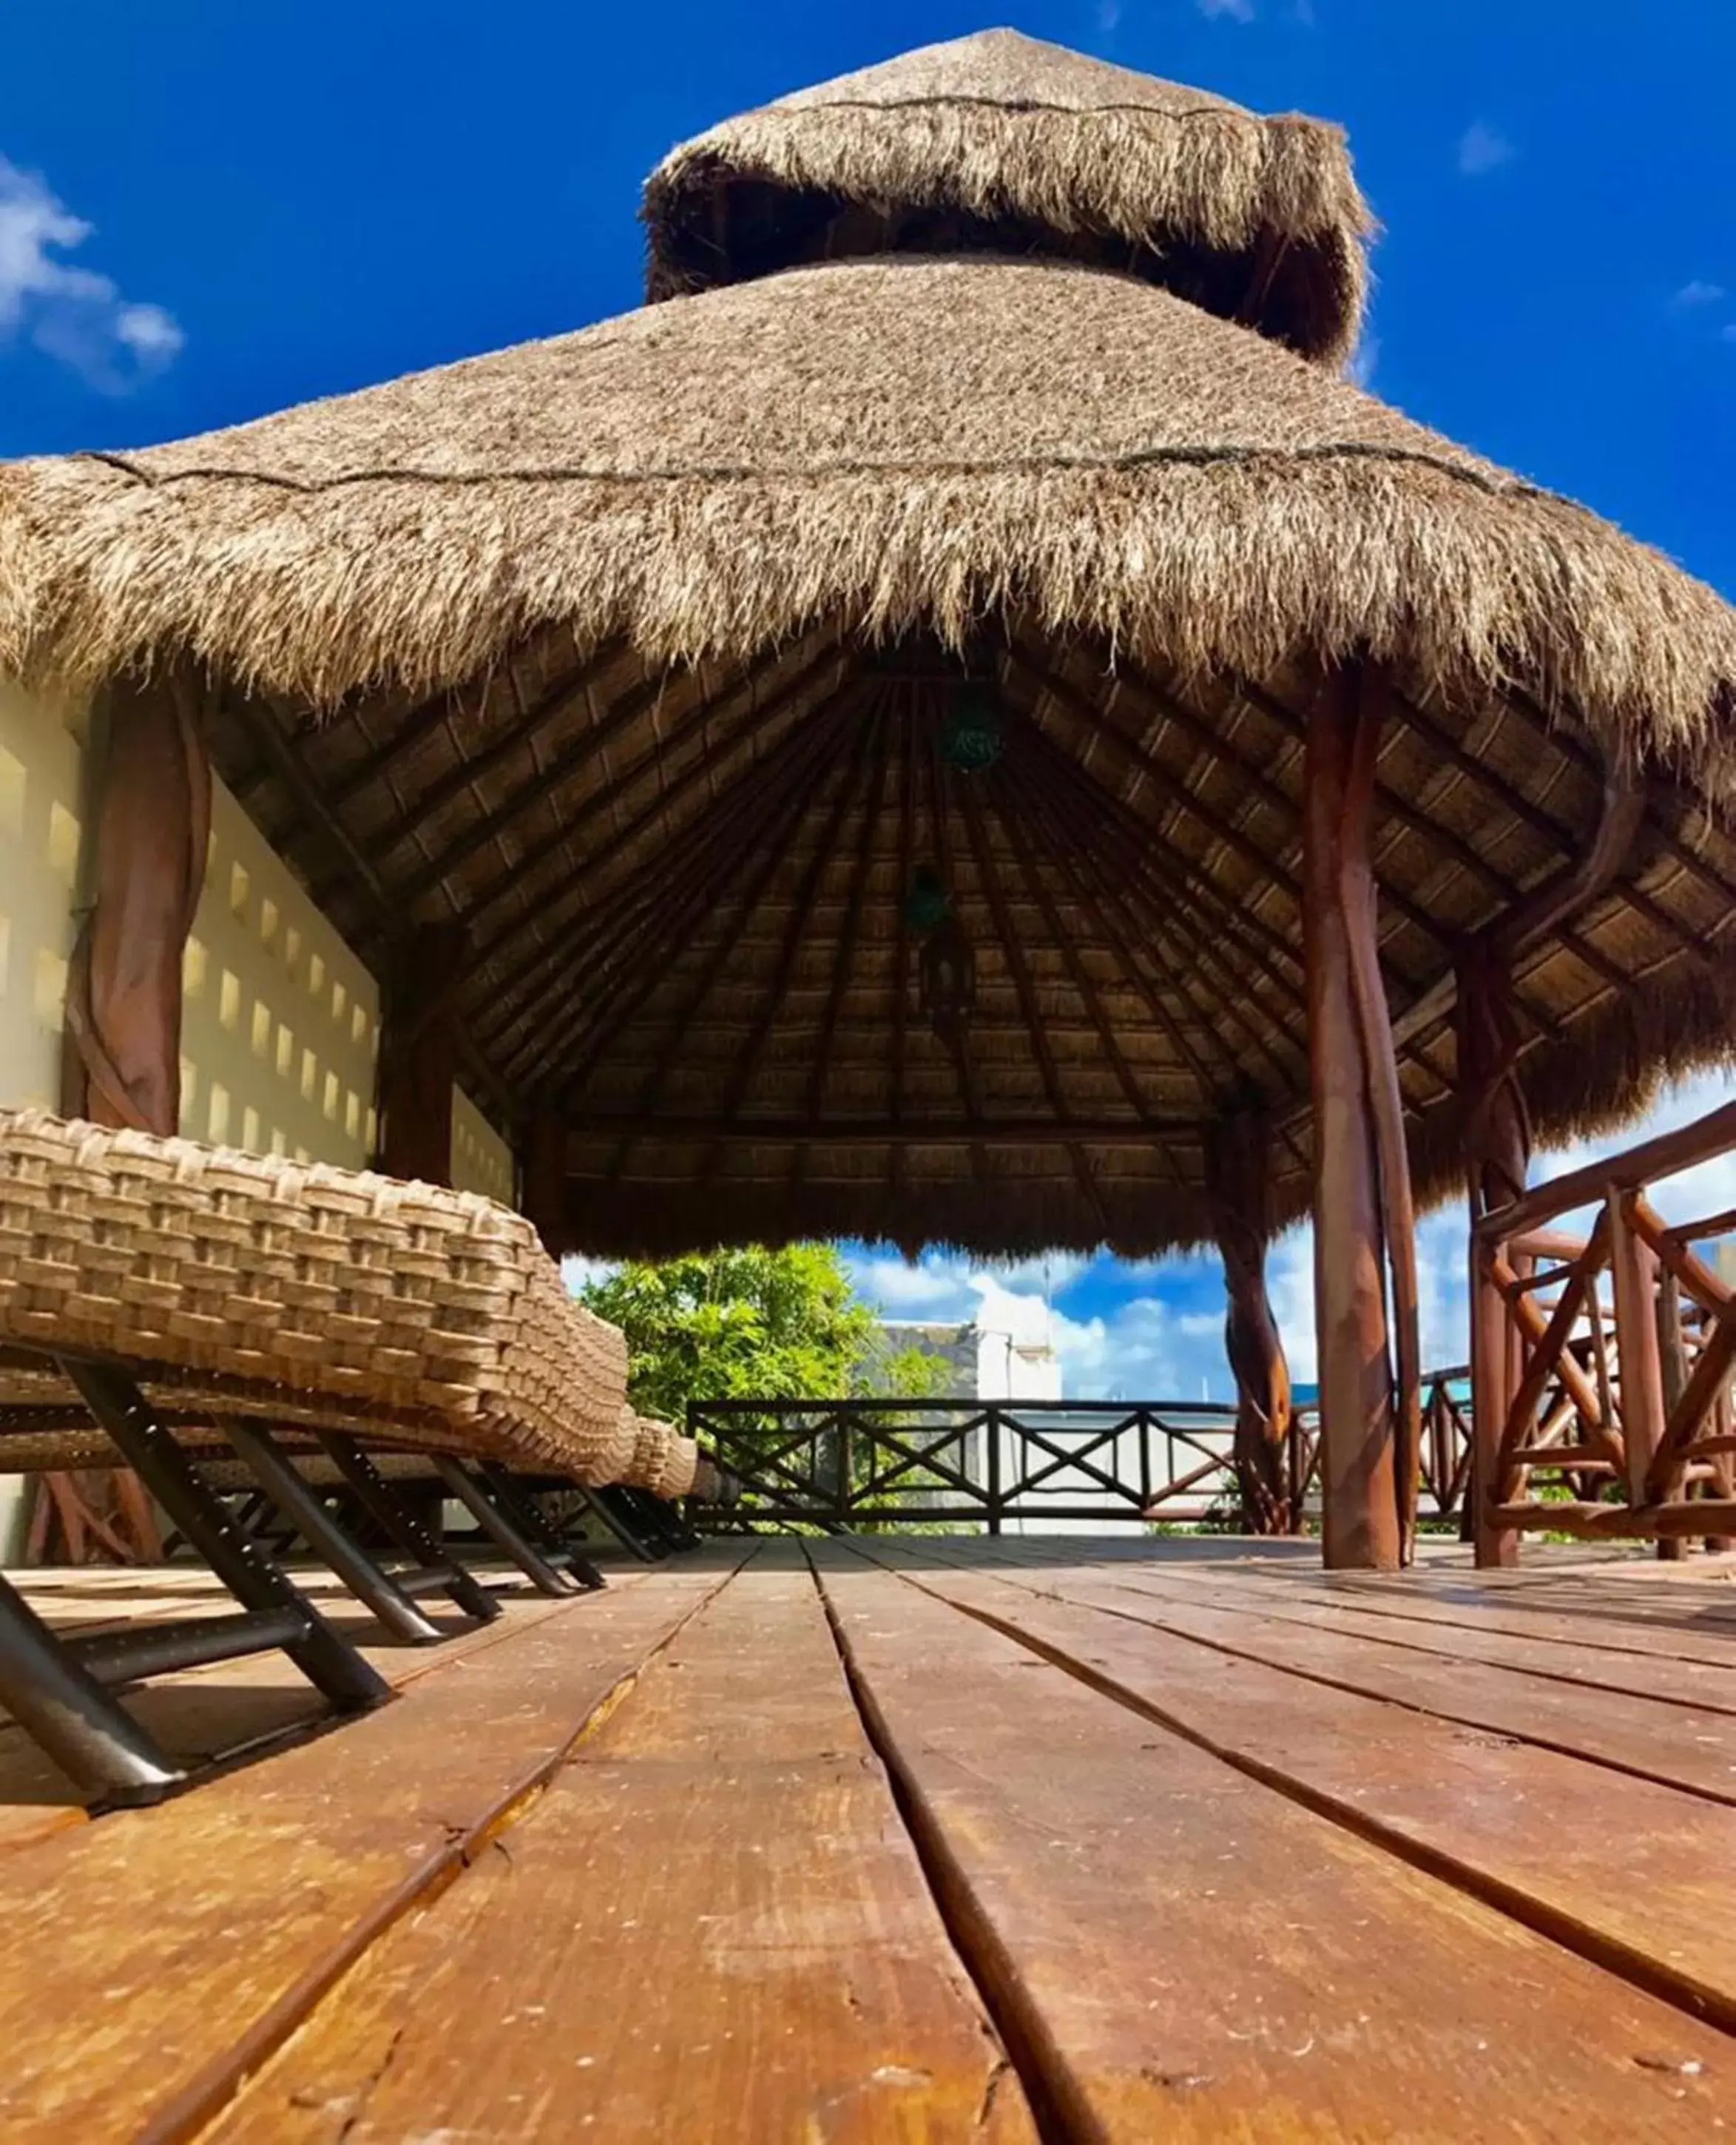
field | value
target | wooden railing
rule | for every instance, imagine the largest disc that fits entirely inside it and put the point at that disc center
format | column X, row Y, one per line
column 1602, row 1363
column 1444, row 1458
column 874, row 1463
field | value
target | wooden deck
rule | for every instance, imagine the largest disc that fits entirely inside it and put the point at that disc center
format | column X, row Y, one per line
column 916, row 1839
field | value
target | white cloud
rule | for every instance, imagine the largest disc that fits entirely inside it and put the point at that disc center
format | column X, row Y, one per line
column 580, row 1273
column 1727, row 334
column 1109, row 16
column 1366, row 355
column 1231, row 11
column 1695, row 293
column 1482, row 150
column 69, row 312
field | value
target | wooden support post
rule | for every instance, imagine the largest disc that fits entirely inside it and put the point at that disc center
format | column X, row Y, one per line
column 1497, row 1158
column 1673, row 1363
column 1362, row 1213
column 419, row 1055
column 1238, row 1180
column 543, row 1179
column 144, row 869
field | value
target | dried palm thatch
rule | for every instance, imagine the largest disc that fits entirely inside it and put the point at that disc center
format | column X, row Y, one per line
column 889, row 446
column 633, row 652
column 1042, row 150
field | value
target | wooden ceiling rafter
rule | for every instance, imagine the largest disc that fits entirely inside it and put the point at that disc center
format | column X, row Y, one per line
column 941, row 826
column 901, row 964
column 857, row 772
column 676, row 900
column 768, row 798
column 470, row 769
column 1193, row 879
column 1568, row 738
column 1013, row 954
column 892, row 715
column 1413, row 717
column 1175, row 903
column 1144, row 937
column 525, row 797
column 783, row 831
column 1063, row 849
column 510, row 1000
column 1428, row 828
column 1031, row 872
column 1132, row 894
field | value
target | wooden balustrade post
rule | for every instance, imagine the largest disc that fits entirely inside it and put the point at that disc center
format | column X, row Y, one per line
column 1673, row 1363
column 419, row 1053
column 543, row 1180
column 1497, row 1139
column 1640, row 1361
column 1362, row 1213
column 1238, row 1184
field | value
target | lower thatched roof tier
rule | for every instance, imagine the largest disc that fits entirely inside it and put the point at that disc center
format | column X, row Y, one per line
column 1254, row 218
column 631, row 652
column 890, row 445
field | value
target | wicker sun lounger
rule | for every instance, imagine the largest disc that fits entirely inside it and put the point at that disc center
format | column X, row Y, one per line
column 180, row 1294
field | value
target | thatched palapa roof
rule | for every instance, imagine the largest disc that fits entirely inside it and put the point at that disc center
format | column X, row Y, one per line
column 636, row 650
column 1043, row 150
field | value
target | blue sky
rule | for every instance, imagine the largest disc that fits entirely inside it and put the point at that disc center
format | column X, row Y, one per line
column 208, row 210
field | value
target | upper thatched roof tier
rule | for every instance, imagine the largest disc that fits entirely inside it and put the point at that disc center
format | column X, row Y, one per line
column 998, row 141
column 883, row 445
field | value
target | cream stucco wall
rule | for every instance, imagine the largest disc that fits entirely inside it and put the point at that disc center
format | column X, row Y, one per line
column 282, row 1024
column 42, row 760
column 481, row 1160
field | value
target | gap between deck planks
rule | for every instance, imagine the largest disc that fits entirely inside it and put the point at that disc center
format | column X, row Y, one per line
column 1638, row 1877
column 1682, row 1741
column 207, row 1927
column 1191, row 1955
column 1588, row 1648
column 713, row 1926
column 212, row 1715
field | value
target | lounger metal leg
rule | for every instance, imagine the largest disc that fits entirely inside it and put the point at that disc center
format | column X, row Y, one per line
column 60, row 1704
column 374, row 1589
column 525, row 1515
column 397, row 1516
column 480, row 1503
column 612, row 1511
column 253, row 1577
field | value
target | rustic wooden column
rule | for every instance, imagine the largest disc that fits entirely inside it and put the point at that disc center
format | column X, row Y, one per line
column 1238, row 1182
column 542, row 1179
column 1371, row 1423
column 1497, row 1138
column 419, row 1055
column 145, row 870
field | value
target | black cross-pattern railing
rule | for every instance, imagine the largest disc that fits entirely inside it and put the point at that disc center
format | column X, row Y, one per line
column 839, row 1464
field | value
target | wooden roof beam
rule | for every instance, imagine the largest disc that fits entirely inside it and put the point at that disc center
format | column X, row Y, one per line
column 1013, row 952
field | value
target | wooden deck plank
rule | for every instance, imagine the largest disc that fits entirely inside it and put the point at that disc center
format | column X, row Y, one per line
column 1630, row 1871
column 712, row 1926
column 1195, row 1957
column 1685, row 1746
column 1581, row 1658
column 204, row 1929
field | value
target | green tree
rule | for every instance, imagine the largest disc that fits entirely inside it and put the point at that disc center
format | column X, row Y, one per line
column 751, row 1325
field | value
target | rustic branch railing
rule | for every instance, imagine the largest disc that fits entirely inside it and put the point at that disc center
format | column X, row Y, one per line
column 1618, row 1399
column 1444, row 1456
